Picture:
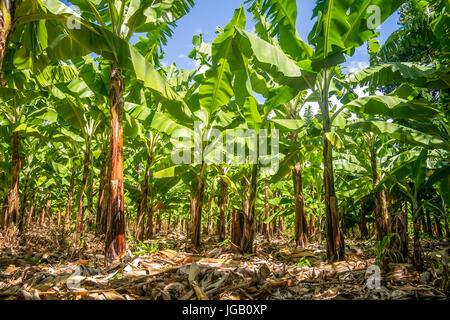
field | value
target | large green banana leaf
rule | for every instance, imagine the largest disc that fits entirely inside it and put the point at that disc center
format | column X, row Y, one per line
column 91, row 37
column 398, row 73
column 393, row 107
column 282, row 18
column 275, row 62
column 401, row 133
column 343, row 25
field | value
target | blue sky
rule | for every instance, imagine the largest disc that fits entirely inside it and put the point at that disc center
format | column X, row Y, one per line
column 207, row 14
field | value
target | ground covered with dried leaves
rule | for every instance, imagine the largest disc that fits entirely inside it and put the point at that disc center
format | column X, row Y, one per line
column 42, row 265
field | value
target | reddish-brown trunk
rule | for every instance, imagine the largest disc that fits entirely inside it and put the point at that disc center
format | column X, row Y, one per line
column 31, row 211
column 45, row 210
column 281, row 225
column 4, row 208
column 335, row 237
column 80, row 213
column 12, row 213
column 58, row 221
column 169, row 218
column 237, row 227
column 301, row 227
column 312, row 226
column 149, row 228
column 42, row 216
column 381, row 213
column 115, row 247
column 196, row 206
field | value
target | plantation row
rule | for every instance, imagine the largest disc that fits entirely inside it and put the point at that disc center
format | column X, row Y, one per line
column 89, row 141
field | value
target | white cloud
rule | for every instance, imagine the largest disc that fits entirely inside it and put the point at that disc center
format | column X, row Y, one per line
column 357, row 65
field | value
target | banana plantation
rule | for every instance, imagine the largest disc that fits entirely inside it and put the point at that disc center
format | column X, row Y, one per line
column 266, row 171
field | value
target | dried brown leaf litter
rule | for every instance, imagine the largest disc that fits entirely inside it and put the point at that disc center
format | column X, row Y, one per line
column 43, row 270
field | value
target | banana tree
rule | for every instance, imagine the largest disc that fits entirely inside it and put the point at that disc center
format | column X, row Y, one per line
column 106, row 29
column 24, row 111
column 341, row 27
column 84, row 119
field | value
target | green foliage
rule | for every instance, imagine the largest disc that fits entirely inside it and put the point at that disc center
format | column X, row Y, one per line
column 143, row 249
column 224, row 242
column 384, row 251
column 303, row 261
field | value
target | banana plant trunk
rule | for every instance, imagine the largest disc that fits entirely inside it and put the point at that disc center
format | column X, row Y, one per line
column 90, row 204
column 249, row 215
column 447, row 229
column 196, row 207
column 266, row 226
column 158, row 222
column 3, row 211
column 211, row 215
column 342, row 218
column 115, row 247
column 417, row 248
column 237, row 227
column 206, row 229
column 143, row 206
column 223, row 199
column 381, row 212
column 335, row 237
column 7, row 8
column 84, row 182
column 362, row 223
column 438, row 228
column 69, row 200
column 58, row 221
column 24, row 203
column 312, row 226
column 301, row 227
column 12, row 213
column 46, row 210
column 428, row 221
column 102, row 189
column 150, row 225
column 281, row 225
column 31, row 210
column 238, row 224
